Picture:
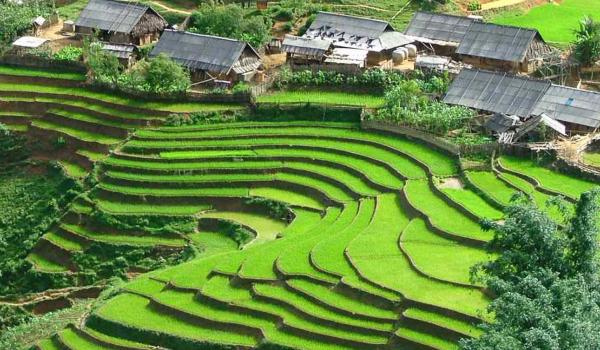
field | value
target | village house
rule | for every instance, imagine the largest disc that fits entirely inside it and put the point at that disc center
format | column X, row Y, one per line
column 120, row 22
column 210, row 59
column 438, row 33
column 376, row 39
column 505, row 48
column 302, row 50
column 523, row 97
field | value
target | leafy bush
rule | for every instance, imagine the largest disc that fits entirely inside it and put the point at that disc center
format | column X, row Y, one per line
column 587, row 43
column 275, row 209
column 240, row 88
column 374, row 79
column 235, row 231
column 68, row 53
column 16, row 17
column 196, row 118
column 229, row 21
column 474, row 5
column 154, row 225
column 407, row 105
column 288, row 26
column 12, row 146
column 104, row 67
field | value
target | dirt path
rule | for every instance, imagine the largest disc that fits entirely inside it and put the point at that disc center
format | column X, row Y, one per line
column 365, row 6
column 170, row 8
column 500, row 3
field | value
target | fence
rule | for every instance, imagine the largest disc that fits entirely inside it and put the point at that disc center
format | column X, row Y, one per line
column 487, row 148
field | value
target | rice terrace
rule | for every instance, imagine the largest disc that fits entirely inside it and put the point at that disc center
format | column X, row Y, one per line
column 333, row 175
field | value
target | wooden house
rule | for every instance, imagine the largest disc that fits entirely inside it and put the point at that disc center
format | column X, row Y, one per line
column 210, row 58
column 498, row 92
column 302, row 50
column 377, row 37
column 120, row 22
column 438, row 33
column 504, row 48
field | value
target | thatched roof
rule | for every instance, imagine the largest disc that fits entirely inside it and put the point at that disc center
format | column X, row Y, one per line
column 120, row 17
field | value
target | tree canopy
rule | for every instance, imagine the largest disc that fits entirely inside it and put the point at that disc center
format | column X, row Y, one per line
column 587, row 43
column 229, row 21
column 545, row 280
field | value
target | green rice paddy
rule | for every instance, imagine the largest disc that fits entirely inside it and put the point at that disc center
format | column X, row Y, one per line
column 328, row 97
column 370, row 252
column 556, row 21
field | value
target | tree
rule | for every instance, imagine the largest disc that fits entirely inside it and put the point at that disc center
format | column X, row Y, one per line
column 103, row 67
column 165, row 76
column 587, row 43
column 545, row 280
column 229, row 21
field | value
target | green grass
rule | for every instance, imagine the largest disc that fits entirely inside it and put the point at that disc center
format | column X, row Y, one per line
column 114, row 340
column 206, row 154
column 149, row 240
column 441, row 214
column 568, row 185
column 474, row 203
column 17, row 127
column 43, row 264
column 175, row 107
column 91, row 155
column 592, row 158
column 77, row 133
column 71, row 10
column 41, row 73
column 328, row 97
column 290, row 197
column 444, row 321
column 73, row 169
column 75, row 341
column 211, row 243
column 133, row 310
column 437, row 256
column 48, row 344
column 177, row 192
column 489, row 183
column 124, row 208
column 63, row 241
column 378, row 247
column 87, row 118
column 266, row 228
column 555, row 21
column 426, row 339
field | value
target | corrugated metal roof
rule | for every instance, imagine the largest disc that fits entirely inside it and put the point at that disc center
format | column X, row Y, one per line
column 501, row 123
column 439, row 27
column 114, row 16
column 119, row 50
column 496, row 92
column 29, row 42
column 498, row 42
column 571, row 105
column 201, row 52
column 305, row 46
column 356, row 26
column 356, row 32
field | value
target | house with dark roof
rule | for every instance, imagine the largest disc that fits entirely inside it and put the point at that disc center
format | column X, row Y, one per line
column 507, row 94
column 377, row 38
column 210, row 58
column 505, row 48
column 301, row 50
column 438, row 32
column 120, row 22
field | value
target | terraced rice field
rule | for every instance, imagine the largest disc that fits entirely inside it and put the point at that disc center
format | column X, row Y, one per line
column 376, row 254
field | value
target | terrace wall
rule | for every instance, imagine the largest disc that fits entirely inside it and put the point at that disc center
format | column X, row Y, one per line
column 39, row 62
column 436, row 141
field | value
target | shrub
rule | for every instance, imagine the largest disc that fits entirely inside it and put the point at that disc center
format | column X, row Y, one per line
column 68, row 53
column 104, row 67
column 229, row 21
column 587, row 43
column 16, row 17
column 474, row 5
column 288, row 26
column 240, row 88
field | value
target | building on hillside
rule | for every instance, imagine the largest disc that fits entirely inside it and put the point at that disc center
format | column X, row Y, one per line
column 120, row 22
column 377, row 37
column 210, row 58
column 578, row 109
column 126, row 53
column 505, row 48
column 302, row 50
column 25, row 44
column 438, row 32
column 496, row 92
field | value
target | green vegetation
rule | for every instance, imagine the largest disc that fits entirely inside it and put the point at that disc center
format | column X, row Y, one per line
column 556, row 21
column 592, row 158
column 560, row 183
column 327, row 97
column 42, row 73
